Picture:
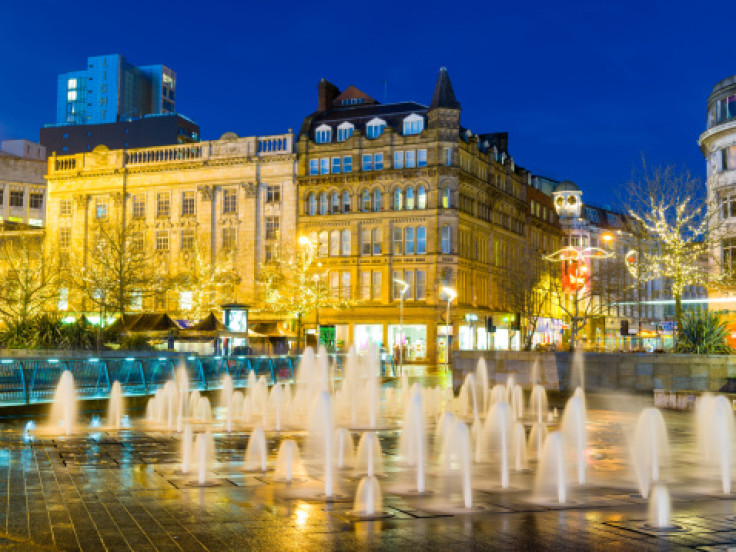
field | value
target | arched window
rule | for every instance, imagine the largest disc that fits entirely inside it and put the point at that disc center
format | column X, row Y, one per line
column 446, row 197
column 323, row 134
column 346, row 202
column 366, row 201
column 413, row 124
column 421, row 197
column 334, row 202
column 377, row 200
column 323, row 203
column 344, row 131
column 410, row 198
column 398, row 200
column 312, row 204
column 374, row 128
column 446, row 239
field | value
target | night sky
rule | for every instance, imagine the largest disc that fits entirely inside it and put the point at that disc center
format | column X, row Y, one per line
column 583, row 88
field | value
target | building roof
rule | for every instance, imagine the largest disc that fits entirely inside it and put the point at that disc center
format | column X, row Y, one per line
column 443, row 95
column 359, row 115
column 566, row 186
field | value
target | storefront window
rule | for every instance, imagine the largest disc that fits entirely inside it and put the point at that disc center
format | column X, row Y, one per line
column 414, row 341
column 365, row 334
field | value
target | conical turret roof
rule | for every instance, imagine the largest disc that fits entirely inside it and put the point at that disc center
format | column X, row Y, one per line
column 443, row 95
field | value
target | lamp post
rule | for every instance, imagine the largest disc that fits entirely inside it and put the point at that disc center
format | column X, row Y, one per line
column 450, row 294
column 404, row 289
column 308, row 246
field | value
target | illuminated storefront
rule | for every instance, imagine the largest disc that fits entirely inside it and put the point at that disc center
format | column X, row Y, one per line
column 414, row 342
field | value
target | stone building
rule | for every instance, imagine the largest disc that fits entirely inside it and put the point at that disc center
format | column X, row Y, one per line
column 403, row 192
column 232, row 194
column 22, row 184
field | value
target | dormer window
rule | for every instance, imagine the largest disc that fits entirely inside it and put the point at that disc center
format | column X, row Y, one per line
column 375, row 127
column 344, row 131
column 352, row 101
column 323, row 134
column 413, row 124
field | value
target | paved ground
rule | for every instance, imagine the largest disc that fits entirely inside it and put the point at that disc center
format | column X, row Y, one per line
column 119, row 491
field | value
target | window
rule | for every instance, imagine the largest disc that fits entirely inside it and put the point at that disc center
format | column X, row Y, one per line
column 35, row 200
column 377, row 284
column 323, row 203
column 421, row 240
column 334, row 243
column 411, row 160
column 367, row 162
column 347, row 164
column 376, row 238
column 446, row 198
column 398, row 160
column 365, row 241
column 139, row 206
column 398, row 240
column 186, row 300
column 728, row 157
column 63, row 303
column 71, row 84
column 322, row 248
column 345, row 291
column 335, row 165
column 366, row 201
column 413, row 124
column 378, row 162
column 728, row 247
column 420, row 286
column 422, row 158
column 397, row 287
column 365, row 284
column 71, row 95
column 273, row 194
column 345, row 243
column 448, row 156
column 446, row 239
column 398, row 199
column 728, row 206
column 187, row 240
column 272, row 252
column 65, row 238
column 590, row 213
column 162, row 240
column 374, row 128
column 421, row 197
column 409, row 279
column 136, row 300
column 313, row 166
column 311, row 204
column 323, row 134
column 272, row 228
column 334, row 203
column 65, row 206
column 229, row 238
column 344, row 131
column 334, row 284
column 410, row 198
column 137, row 243
column 187, row 204
column 409, row 240
column 163, row 204
column 16, row 198
column 100, row 206
column 324, row 165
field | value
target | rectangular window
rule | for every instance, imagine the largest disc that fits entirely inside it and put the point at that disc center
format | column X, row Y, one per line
column 421, row 240
column 136, row 242
column 409, row 240
column 65, row 206
column 367, row 162
column 409, row 279
column 335, row 165
column 398, row 160
column 376, row 241
column 377, row 285
column 396, row 287
column 422, row 158
column 229, row 238
column 346, row 242
column 273, row 194
column 446, row 243
column 187, row 203
column 65, row 238
column 272, row 252
column 378, row 162
column 411, row 160
column 162, row 240
column 272, row 228
column 345, row 291
column 448, row 156
column 313, row 166
column 186, row 300
column 347, row 164
column 139, row 206
column 334, row 284
column 365, row 284
column 420, row 285
column 100, row 206
column 187, row 240
column 365, row 241
column 334, row 243
column 324, row 165
column 398, row 241
column 63, row 303
column 230, row 201
column 36, row 201
column 163, row 204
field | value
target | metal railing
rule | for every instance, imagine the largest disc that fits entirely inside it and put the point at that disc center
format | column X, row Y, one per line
column 34, row 380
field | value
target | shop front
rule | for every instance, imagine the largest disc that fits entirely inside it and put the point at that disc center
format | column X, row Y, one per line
column 367, row 334
column 413, row 344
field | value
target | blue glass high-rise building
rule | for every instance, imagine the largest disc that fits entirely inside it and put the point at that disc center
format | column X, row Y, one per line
column 110, row 90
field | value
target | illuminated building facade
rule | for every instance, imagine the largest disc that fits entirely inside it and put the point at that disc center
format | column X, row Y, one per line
column 22, row 183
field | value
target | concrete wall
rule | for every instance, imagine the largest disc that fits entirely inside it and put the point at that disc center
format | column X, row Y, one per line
column 629, row 372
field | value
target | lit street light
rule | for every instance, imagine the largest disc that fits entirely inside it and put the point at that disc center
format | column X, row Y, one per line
column 404, row 289
column 450, row 294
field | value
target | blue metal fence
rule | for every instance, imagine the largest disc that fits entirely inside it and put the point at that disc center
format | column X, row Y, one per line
column 34, row 380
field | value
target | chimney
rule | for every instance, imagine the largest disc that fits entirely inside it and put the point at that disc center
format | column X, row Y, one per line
column 327, row 92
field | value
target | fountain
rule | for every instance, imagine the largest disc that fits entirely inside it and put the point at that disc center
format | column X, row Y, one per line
column 256, row 454
column 289, row 465
column 369, row 458
column 482, row 372
column 660, row 510
column 115, row 407
column 519, row 447
column 467, row 400
column 650, row 448
column 495, row 440
column 577, row 370
column 537, row 437
column 344, row 450
column 320, row 442
column 457, row 457
column 551, row 479
column 186, row 449
column 64, row 408
column 204, row 451
column 538, row 406
column 368, row 500
column 575, row 433
column 714, row 432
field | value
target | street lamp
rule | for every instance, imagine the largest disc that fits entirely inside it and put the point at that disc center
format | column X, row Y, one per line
column 404, row 289
column 450, row 294
column 307, row 244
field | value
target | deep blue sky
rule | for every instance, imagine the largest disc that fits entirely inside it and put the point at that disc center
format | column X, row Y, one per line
column 583, row 88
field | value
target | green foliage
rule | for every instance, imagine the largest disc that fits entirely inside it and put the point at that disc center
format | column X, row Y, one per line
column 703, row 333
column 47, row 331
column 79, row 335
column 17, row 335
column 135, row 342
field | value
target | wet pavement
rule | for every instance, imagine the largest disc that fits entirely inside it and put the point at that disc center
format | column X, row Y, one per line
column 121, row 491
